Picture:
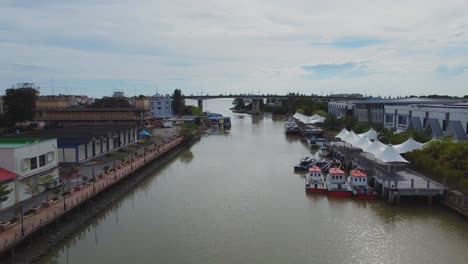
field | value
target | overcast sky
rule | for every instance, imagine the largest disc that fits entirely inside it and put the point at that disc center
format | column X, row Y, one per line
column 95, row 47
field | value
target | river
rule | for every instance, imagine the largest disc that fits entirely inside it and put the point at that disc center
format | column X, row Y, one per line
column 233, row 198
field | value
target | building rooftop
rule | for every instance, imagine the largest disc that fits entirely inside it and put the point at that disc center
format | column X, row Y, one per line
column 78, row 134
column 411, row 100
column 18, row 142
column 6, row 175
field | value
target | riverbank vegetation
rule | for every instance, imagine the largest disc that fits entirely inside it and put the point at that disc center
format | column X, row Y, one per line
column 289, row 106
column 445, row 161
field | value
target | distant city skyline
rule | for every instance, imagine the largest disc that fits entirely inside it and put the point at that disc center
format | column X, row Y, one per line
column 97, row 47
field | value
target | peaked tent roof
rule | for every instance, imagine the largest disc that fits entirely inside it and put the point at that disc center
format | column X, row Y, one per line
column 363, row 143
column 319, row 119
column 389, row 154
column 455, row 131
column 6, row 175
column 375, row 148
column 371, row 134
column 415, row 124
column 351, row 138
column 408, row 145
column 342, row 133
column 433, row 128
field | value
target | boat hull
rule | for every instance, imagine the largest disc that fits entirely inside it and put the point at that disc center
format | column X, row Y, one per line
column 340, row 193
column 367, row 196
column 316, row 190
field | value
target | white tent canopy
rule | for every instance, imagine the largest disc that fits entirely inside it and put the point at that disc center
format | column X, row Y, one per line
column 309, row 119
column 408, row 145
column 375, row 148
column 389, row 154
column 363, row 143
column 351, row 138
column 319, row 119
column 371, row 134
column 342, row 133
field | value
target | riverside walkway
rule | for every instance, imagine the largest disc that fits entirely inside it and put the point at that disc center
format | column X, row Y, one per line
column 21, row 229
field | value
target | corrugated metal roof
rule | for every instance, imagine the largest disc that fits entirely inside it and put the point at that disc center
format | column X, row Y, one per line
column 433, row 127
column 455, row 131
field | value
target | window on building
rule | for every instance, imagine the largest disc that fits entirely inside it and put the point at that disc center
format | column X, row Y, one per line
column 33, row 164
column 466, row 127
column 389, row 118
column 42, row 160
column 402, row 120
column 159, row 108
column 444, row 125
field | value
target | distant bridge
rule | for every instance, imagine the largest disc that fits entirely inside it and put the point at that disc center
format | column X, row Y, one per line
column 263, row 96
column 256, row 98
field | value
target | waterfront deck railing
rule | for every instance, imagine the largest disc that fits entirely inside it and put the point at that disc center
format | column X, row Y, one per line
column 32, row 223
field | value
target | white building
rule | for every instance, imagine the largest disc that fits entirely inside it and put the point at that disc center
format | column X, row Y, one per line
column 81, row 143
column 435, row 119
column 30, row 159
column 340, row 109
column 161, row 106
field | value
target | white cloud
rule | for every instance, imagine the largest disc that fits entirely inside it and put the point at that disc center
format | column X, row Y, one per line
column 245, row 45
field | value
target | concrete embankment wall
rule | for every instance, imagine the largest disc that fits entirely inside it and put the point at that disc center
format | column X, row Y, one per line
column 39, row 243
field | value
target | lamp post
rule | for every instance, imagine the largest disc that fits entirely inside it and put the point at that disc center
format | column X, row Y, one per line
column 94, row 180
column 63, row 194
column 115, row 170
column 21, row 215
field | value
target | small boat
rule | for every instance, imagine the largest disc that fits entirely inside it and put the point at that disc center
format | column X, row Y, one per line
column 336, row 183
column 304, row 164
column 323, row 152
column 291, row 127
column 312, row 143
column 315, row 182
column 358, row 181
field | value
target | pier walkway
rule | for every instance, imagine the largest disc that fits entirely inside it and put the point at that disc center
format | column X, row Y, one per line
column 20, row 230
column 391, row 180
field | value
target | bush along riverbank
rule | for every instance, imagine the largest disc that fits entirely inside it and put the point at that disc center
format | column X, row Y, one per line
column 51, row 225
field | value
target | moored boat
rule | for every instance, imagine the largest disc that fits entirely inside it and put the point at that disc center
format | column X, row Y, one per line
column 315, row 182
column 323, row 151
column 358, row 181
column 304, row 164
column 336, row 183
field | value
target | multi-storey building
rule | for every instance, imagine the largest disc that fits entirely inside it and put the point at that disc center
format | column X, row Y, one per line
column 29, row 159
column 68, row 111
column 436, row 120
column 340, row 109
column 161, row 106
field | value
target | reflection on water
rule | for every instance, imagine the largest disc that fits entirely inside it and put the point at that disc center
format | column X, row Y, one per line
column 186, row 156
column 239, row 201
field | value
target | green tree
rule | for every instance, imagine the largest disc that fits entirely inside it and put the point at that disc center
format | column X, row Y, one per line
column 4, row 192
column 111, row 102
column 20, row 104
column 178, row 102
column 239, row 104
column 46, row 182
column 32, row 188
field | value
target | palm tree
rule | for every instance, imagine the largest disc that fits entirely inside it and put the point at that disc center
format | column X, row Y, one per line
column 4, row 192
